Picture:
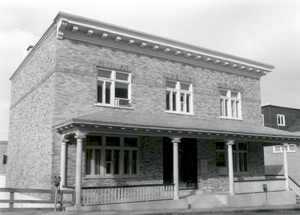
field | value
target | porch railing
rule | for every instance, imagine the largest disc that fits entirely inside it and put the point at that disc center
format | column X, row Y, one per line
column 121, row 194
column 256, row 186
column 294, row 186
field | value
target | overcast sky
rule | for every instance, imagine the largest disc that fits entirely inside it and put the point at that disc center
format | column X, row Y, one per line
column 261, row 30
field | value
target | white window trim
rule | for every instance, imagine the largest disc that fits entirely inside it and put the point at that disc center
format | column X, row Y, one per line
column 229, row 106
column 113, row 81
column 121, row 148
column 178, row 92
column 263, row 119
column 280, row 120
column 288, row 149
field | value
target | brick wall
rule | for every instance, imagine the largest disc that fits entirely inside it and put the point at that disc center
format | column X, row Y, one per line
column 270, row 116
column 30, row 132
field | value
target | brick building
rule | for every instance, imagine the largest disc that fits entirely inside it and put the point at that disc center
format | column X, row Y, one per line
column 283, row 118
column 101, row 105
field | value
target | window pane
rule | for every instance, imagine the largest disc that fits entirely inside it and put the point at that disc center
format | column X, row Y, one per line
column 126, row 161
column 182, row 103
column 130, row 142
column 108, row 156
column 245, row 162
column 93, row 140
column 88, row 161
column 184, row 86
column 108, row 168
column 292, row 148
column 233, row 109
column 107, row 92
column 116, row 161
column 222, row 111
column 277, row 148
column 104, row 73
column 171, row 84
column 242, row 146
column 112, row 141
column 234, row 94
column 226, row 108
column 97, row 161
column 223, row 92
column 220, row 159
column 168, row 100
column 234, row 161
column 188, row 103
column 134, row 162
column 241, row 162
column 99, row 92
column 174, row 101
column 121, row 90
column 220, row 145
column 122, row 76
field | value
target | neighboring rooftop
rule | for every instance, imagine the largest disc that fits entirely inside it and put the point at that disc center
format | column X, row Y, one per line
column 279, row 106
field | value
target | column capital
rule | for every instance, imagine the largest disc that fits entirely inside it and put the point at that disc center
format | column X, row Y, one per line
column 175, row 139
column 64, row 140
column 230, row 142
column 80, row 136
column 284, row 145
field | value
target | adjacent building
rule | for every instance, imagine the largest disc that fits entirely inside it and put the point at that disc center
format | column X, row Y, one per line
column 105, row 106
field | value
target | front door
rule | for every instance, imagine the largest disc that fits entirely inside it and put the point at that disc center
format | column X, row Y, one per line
column 187, row 161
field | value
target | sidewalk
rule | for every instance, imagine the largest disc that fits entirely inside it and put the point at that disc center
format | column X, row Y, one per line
column 155, row 212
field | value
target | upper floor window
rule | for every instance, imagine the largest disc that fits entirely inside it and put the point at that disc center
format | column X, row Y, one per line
column 280, row 120
column 114, row 88
column 179, row 97
column 230, row 104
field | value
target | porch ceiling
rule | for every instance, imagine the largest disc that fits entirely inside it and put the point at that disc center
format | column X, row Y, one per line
column 138, row 123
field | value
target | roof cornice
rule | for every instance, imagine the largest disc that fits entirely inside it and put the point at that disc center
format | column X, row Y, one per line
column 68, row 24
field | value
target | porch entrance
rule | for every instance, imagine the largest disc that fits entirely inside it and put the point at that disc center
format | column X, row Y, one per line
column 187, row 161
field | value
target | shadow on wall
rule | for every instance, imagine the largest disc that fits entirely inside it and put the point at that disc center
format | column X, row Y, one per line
column 274, row 170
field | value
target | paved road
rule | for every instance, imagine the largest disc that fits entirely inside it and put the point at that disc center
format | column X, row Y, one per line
column 175, row 212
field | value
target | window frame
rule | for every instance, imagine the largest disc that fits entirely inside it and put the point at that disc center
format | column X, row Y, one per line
column 280, row 119
column 121, row 148
column 227, row 110
column 181, row 107
column 114, row 101
column 289, row 149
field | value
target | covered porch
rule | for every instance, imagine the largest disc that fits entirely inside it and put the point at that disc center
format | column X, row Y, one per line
column 137, row 186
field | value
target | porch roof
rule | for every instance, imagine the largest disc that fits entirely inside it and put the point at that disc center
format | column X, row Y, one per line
column 177, row 123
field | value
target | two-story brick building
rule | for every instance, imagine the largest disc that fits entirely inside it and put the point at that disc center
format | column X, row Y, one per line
column 101, row 105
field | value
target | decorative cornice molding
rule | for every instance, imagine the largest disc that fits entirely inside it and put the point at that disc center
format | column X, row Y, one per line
column 137, row 41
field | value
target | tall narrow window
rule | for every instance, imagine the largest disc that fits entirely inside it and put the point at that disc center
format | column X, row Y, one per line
column 93, row 155
column 114, row 88
column 230, row 104
column 280, row 120
column 178, row 97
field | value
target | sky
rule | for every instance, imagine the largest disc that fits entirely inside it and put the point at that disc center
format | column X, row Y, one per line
column 267, row 31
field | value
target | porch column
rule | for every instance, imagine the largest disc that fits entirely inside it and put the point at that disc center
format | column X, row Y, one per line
column 63, row 161
column 175, row 142
column 78, row 178
column 230, row 166
column 285, row 165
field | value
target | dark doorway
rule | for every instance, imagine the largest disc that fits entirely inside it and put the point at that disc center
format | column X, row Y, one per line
column 187, row 161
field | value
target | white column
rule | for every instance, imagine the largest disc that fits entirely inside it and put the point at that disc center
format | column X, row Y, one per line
column 175, row 142
column 63, row 161
column 285, row 165
column 230, row 166
column 78, row 178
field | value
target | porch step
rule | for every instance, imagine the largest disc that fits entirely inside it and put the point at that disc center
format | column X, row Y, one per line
column 186, row 192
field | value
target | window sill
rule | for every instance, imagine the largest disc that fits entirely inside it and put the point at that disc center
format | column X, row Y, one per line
column 224, row 117
column 281, row 125
column 112, row 106
column 179, row 113
column 90, row 177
